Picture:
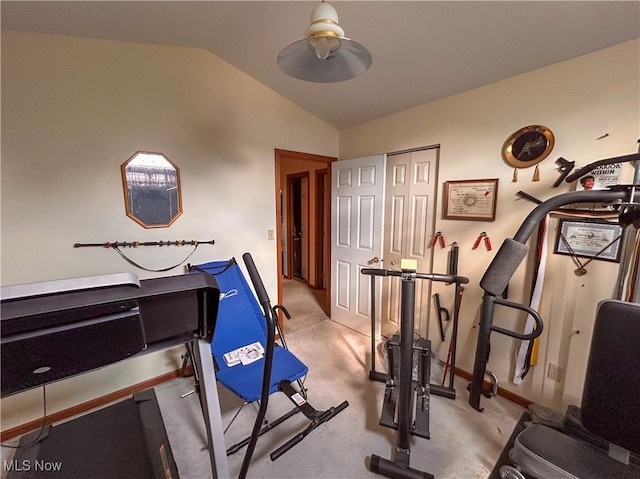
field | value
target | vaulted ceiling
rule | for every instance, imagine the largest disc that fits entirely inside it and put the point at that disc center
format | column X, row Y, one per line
column 422, row 50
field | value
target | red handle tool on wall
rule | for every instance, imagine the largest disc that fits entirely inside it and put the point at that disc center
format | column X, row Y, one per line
column 487, row 241
column 438, row 238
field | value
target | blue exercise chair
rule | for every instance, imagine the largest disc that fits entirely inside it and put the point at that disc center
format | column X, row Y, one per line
column 243, row 322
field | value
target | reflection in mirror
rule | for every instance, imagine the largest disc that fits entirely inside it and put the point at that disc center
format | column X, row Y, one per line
column 151, row 189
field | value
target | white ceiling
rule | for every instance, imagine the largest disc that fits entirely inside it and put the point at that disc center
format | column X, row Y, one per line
column 422, row 50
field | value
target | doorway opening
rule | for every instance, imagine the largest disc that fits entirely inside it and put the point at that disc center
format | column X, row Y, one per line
column 303, row 206
column 298, row 226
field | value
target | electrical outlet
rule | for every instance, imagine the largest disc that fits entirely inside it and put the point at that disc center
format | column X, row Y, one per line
column 554, row 372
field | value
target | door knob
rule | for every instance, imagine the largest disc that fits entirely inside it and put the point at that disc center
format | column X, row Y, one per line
column 374, row 260
column 394, row 262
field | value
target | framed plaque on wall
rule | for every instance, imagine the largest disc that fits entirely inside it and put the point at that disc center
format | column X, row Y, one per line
column 470, row 199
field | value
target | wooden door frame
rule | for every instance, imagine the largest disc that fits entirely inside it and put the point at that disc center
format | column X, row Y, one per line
column 281, row 157
column 322, row 266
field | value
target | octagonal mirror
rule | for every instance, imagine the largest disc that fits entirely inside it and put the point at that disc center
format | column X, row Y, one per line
column 152, row 194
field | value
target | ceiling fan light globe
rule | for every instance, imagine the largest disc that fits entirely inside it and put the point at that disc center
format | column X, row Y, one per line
column 323, row 46
column 324, row 17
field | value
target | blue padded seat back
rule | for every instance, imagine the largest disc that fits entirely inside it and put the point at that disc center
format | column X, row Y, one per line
column 611, row 395
column 241, row 322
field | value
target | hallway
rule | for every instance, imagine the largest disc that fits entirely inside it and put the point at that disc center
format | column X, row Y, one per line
column 303, row 303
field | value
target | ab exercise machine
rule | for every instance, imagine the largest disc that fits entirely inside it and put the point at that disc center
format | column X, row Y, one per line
column 406, row 398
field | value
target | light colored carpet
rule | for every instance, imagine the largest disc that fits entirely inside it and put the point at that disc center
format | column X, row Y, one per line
column 464, row 443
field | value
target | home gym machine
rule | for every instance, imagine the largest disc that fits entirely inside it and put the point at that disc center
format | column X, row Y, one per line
column 401, row 389
column 623, row 198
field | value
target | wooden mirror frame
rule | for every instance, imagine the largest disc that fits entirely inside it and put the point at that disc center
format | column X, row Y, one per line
column 160, row 190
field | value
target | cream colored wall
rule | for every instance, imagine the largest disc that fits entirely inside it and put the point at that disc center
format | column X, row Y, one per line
column 73, row 110
column 580, row 100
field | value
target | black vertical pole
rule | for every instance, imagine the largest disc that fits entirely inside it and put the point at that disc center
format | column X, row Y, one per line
column 453, row 260
column 270, row 319
column 406, row 361
column 482, row 350
column 373, row 327
column 373, row 374
column 457, row 302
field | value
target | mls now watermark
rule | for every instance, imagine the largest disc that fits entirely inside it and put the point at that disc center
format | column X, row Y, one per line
column 28, row 465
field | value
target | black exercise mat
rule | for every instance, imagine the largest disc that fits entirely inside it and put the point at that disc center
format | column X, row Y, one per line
column 106, row 444
column 504, row 456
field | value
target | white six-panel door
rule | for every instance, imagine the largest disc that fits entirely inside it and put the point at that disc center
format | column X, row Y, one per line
column 357, row 199
column 408, row 224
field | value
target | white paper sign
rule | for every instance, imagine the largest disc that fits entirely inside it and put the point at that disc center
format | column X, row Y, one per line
column 601, row 178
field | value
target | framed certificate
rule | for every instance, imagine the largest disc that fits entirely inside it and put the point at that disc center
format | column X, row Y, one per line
column 470, row 199
column 589, row 239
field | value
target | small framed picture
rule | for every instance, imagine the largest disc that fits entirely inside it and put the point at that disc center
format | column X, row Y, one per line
column 594, row 239
column 470, row 199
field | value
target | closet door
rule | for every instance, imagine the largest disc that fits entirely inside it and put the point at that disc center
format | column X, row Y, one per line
column 408, row 224
column 357, row 191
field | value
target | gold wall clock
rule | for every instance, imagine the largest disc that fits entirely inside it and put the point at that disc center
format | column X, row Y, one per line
column 527, row 147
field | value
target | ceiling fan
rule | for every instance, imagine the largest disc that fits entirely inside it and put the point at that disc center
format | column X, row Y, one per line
column 324, row 55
